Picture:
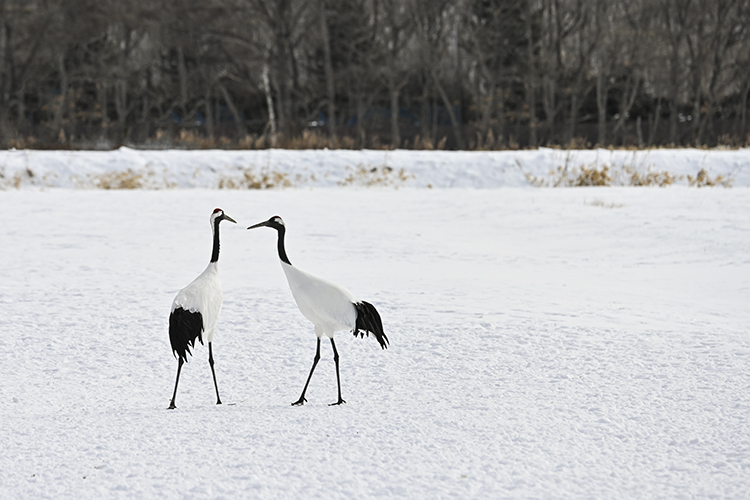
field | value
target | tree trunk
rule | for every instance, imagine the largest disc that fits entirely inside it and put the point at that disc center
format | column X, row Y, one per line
column 269, row 103
column 626, row 104
column 209, row 117
column 602, row 89
column 434, row 123
column 61, row 109
column 101, row 91
column 743, row 134
column 239, row 125
column 486, row 94
column 5, row 76
column 572, row 119
column 696, row 118
column 121, row 106
column 328, row 66
column 361, row 110
column 424, row 115
column 673, row 121
column 395, row 129
column 654, row 126
column 182, row 75
column 449, row 108
column 531, row 80
column 638, row 131
column 548, row 95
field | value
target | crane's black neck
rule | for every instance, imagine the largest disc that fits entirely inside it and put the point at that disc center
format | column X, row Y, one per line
column 280, row 245
column 215, row 254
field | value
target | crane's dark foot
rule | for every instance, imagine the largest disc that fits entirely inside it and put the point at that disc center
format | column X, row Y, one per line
column 299, row 402
column 171, row 406
column 218, row 401
column 337, row 402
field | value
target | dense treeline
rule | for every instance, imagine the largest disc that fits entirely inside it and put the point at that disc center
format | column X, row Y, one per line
column 484, row 74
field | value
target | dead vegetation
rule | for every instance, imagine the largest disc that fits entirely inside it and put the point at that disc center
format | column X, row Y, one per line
column 309, row 139
column 703, row 179
column 127, row 179
column 252, row 179
column 649, row 178
column 382, row 175
column 24, row 176
column 595, row 174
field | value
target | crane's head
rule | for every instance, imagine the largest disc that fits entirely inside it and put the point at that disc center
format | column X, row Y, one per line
column 274, row 222
column 218, row 215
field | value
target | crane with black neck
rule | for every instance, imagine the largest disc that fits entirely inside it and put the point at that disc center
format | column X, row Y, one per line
column 196, row 309
column 330, row 307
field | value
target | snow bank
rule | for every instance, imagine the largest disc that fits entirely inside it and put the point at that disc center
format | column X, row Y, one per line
column 130, row 168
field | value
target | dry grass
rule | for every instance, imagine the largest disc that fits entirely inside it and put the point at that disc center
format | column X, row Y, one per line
column 309, row 139
column 425, row 144
column 195, row 138
column 127, row 179
column 20, row 177
column 250, row 179
column 315, row 140
column 591, row 176
column 649, row 178
column 578, row 143
column 567, row 176
column 190, row 139
column 12, row 181
column 381, row 175
column 23, row 143
column 624, row 175
column 703, row 179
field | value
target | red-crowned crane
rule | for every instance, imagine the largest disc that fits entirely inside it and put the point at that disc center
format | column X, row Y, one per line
column 196, row 310
column 330, row 307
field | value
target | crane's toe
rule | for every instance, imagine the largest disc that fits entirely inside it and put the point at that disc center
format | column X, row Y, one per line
column 299, row 402
column 337, row 402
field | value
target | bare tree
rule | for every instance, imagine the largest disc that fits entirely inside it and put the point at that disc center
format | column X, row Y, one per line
column 328, row 65
column 559, row 21
column 437, row 41
column 491, row 32
column 396, row 32
column 285, row 23
column 720, row 31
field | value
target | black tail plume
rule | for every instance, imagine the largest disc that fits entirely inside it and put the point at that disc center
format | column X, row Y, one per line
column 368, row 321
column 184, row 328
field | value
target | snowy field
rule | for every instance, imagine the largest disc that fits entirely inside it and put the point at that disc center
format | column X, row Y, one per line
column 129, row 168
column 545, row 343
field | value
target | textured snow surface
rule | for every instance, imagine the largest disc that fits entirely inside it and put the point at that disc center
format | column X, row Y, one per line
column 327, row 168
column 545, row 343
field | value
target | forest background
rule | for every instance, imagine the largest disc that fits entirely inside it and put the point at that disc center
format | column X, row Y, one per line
column 415, row 74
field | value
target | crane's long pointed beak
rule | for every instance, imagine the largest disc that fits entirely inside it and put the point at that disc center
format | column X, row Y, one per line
column 259, row 224
column 226, row 217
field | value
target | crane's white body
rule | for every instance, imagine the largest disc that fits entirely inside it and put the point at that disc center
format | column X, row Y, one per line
column 196, row 309
column 203, row 295
column 328, row 306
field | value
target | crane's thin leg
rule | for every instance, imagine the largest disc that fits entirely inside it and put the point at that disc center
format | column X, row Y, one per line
column 302, row 399
column 179, row 367
column 211, row 362
column 338, row 378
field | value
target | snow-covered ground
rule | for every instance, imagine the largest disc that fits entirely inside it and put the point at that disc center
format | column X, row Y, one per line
column 545, row 343
column 330, row 168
